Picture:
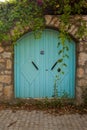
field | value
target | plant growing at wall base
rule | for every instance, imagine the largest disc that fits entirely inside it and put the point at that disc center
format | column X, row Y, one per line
column 55, row 89
column 63, row 54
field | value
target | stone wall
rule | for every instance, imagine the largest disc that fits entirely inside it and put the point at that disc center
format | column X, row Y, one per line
column 81, row 73
column 6, row 72
column 6, row 63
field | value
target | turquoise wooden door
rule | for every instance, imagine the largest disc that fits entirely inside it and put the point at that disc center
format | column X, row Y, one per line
column 36, row 66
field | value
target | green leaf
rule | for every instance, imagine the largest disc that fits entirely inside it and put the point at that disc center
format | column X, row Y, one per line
column 58, row 44
column 60, row 60
column 60, row 52
column 62, row 72
column 65, row 65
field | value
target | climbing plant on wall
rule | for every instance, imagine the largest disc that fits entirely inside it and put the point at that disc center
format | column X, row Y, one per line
column 17, row 16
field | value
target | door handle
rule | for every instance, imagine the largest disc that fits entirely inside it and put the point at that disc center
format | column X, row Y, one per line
column 54, row 65
column 35, row 65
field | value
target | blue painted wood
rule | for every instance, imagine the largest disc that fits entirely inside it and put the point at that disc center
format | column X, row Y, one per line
column 33, row 62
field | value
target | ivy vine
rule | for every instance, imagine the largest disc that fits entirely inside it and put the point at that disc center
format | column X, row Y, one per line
column 19, row 15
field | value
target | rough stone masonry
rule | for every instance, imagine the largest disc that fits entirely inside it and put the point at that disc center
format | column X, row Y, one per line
column 7, row 64
column 6, row 72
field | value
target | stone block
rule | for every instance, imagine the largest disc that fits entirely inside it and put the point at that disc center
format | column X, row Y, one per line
column 5, row 79
column 74, row 32
column 6, row 54
column 57, row 24
column 8, row 72
column 82, row 82
column 2, row 66
column 2, row 60
column 8, row 91
column 53, row 21
column 1, row 49
column 9, row 64
column 8, row 48
column 80, row 47
column 82, row 58
column 80, row 72
column 1, row 87
column 1, row 72
column 79, row 95
column 48, row 19
column 71, row 29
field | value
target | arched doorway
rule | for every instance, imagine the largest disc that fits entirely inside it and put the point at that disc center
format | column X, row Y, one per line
column 38, row 68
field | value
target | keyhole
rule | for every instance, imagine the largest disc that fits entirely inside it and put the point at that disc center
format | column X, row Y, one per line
column 58, row 69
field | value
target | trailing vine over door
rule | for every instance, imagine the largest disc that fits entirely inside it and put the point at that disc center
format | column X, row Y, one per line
column 19, row 16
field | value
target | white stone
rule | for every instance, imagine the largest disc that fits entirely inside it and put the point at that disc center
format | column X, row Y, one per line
column 82, row 58
column 82, row 82
column 80, row 72
column 8, row 64
column 48, row 19
column 5, row 78
column 8, row 72
column 6, row 54
column 8, row 91
column 53, row 21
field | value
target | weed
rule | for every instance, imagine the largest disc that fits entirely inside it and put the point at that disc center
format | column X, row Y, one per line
column 65, row 95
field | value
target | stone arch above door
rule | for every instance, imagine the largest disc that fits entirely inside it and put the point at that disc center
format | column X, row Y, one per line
column 53, row 21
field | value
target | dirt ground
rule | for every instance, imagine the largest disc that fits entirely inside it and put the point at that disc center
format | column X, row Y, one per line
column 55, row 106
